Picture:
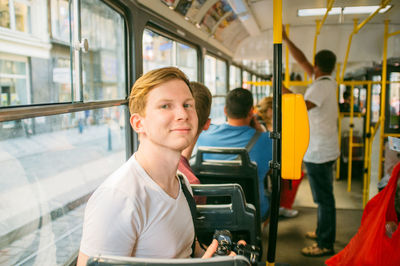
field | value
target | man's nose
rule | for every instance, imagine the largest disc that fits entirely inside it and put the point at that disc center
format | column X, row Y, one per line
column 181, row 113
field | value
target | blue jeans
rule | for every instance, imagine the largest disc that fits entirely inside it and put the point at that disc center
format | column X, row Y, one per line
column 320, row 177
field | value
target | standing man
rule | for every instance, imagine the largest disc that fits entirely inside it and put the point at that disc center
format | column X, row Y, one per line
column 323, row 149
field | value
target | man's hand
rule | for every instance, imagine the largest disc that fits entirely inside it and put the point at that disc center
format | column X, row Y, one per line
column 212, row 248
column 284, row 35
column 256, row 125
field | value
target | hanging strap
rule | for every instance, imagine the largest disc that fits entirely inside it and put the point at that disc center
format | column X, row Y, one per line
column 192, row 206
column 252, row 141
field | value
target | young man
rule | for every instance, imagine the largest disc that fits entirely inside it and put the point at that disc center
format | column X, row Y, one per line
column 203, row 98
column 237, row 132
column 323, row 149
column 141, row 210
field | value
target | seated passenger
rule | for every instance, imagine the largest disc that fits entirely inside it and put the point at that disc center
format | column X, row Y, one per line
column 141, row 210
column 345, row 106
column 203, row 98
column 237, row 132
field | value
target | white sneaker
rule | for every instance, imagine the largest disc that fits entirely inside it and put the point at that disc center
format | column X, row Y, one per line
column 288, row 213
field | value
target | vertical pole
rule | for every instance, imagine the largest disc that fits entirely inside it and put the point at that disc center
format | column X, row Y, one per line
column 340, row 119
column 350, row 153
column 366, row 146
column 276, row 133
column 383, row 98
column 317, row 25
column 287, row 71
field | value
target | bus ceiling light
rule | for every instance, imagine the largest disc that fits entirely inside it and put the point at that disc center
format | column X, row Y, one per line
column 339, row 10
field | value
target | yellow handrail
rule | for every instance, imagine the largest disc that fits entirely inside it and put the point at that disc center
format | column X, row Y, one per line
column 340, row 120
column 367, row 149
column 350, row 154
column 287, row 77
column 319, row 24
column 383, row 97
column 357, row 28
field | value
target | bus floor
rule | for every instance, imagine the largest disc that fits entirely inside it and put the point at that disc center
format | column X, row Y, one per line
column 291, row 231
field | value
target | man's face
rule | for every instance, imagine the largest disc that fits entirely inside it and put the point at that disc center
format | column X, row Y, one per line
column 170, row 117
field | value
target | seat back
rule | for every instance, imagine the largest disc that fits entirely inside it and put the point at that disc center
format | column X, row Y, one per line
column 215, row 261
column 240, row 170
column 237, row 216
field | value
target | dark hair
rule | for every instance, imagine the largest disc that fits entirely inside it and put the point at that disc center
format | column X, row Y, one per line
column 238, row 103
column 346, row 95
column 203, row 98
column 325, row 60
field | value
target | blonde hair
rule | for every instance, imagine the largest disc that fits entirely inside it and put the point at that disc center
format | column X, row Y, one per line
column 144, row 84
column 262, row 108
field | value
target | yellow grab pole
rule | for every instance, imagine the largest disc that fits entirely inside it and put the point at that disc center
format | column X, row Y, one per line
column 394, row 33
column 319, row 24
column 340, row 119
column 348, row 48
column 383, row 97
column 287, row 76
column 317, row 29
column 350, row 157
column 367, row 156
column 358, row 27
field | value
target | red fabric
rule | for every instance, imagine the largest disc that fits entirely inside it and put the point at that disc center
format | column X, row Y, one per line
column 371, row 246
column 184, row 168
column 288, row 195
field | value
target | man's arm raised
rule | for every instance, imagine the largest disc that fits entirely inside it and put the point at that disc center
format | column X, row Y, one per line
column 298, row 54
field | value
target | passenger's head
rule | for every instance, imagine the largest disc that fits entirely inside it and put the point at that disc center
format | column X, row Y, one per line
column 238, row 103
column 325, row 60
column 264, row 108
column 346, row 95
column 144, row 84
column 203, row 98
column 163, row 110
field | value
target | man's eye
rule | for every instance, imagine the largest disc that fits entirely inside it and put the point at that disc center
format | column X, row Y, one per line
column 165, row 106
column 187, row 105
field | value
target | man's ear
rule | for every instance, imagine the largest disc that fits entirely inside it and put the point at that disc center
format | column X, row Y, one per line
column 207, row 124
column 226, row 114
column 251, row 112
column 136, row 123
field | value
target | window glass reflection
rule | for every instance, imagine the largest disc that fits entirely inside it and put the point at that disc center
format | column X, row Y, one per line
column 394, row 98
column 50, row 165
column 215, row 80
column 159, row 51
column 104, row 63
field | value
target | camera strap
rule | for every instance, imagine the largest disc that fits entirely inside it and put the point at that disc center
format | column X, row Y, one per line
column 192, row 206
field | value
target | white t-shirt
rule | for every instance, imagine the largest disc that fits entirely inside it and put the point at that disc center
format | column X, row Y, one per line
column 323, row 118
column 130, row 215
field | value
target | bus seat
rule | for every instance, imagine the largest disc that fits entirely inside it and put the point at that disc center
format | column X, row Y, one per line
column 238, row 216
column 214, row 261
column 240, row 170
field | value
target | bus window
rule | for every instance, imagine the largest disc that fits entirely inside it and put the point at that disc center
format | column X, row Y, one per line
column 394, row 104
column 50, row 165
column 104, row 63
column 159, row 51
column 215, row 80
column 234, row 77
column 376, row 99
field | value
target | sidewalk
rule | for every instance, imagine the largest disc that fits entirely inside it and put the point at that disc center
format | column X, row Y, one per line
column 44, row 173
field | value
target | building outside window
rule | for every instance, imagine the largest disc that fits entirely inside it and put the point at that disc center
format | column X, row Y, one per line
column 159, row 51
column 15, row 15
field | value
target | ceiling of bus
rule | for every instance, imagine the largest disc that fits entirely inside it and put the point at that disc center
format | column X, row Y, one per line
column 243, row 28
